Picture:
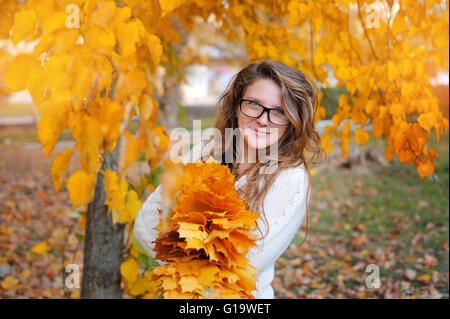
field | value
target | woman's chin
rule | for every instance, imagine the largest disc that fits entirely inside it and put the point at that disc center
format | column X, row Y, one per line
column 258, row 142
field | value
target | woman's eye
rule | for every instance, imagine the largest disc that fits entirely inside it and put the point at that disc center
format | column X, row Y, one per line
column 254, row 103
column 280, row 111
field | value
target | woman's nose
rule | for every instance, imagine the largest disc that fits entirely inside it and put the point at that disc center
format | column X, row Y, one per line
column 263, row 119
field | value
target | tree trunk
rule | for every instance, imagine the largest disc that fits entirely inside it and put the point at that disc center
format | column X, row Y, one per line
column 168, row 109
column 103, row 248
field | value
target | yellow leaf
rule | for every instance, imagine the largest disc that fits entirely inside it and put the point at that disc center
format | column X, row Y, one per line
column 392, row 71
column 112, row 116
column 24, row 72
column 315, row 285
column 138, row 287
column 64, row 40
column 101, row 38
column 361, row 136
column 24, row 25
column 9, row 282
column 105, row 13
column 189, row 284
column 147, row 108
column 116, row 190
column 424, row 278
column 169, row 5
column 211, row 160
column 54, row 21
column 41, row 248
column 83, row 222
column 132, row 206
column 59, row 168
column 370, row 106
column 81, row 188
column 129, row 270
column 51, row 125
column 155, row 48
column 432, row 153
column 326, row 145
column 397, row 109
column 128, row 34
column 358, row 117
column 86, row 131
column 427, row 120
column 425, row 169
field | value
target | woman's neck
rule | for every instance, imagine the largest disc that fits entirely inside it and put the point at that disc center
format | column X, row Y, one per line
column 242, row 168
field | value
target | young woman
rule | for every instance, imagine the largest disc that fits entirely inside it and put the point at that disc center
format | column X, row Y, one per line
column 266, row 103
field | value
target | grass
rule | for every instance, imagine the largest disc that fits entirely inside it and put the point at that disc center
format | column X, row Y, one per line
column 399, row 214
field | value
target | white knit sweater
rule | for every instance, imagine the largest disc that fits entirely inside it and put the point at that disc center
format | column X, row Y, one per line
column 285, row 206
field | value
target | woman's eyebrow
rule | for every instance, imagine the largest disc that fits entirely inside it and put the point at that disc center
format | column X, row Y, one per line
column 259, row 101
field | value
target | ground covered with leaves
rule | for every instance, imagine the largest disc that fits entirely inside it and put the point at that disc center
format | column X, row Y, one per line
column 366, row 215
column 372, row 215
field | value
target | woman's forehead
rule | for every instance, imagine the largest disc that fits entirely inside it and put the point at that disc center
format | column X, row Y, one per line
column 266, row 92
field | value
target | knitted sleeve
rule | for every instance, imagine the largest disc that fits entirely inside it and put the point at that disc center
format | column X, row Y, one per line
column 148, row 216
column 285, row 207
column 146, row 221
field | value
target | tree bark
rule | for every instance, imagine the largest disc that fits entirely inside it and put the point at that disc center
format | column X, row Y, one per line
column 104, row 243
column 168, row 110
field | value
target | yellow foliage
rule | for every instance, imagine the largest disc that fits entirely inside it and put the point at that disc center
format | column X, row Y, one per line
column 206, row 238
column 59, row 168
column 361, row 136
column 116, row 191
column 132, row 206
column 24, row 25
column 81, row 188
column 130, row 270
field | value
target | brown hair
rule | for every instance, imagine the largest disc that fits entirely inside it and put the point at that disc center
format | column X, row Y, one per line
column 300, row 143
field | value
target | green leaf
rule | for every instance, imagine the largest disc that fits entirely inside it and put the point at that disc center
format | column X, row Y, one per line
column 80, row 237
column 138, row 245
column 297, row 240
column 153, row 177
column 181, row 112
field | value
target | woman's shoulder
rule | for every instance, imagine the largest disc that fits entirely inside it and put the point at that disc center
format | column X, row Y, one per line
column 292, row 178
column 293, row 173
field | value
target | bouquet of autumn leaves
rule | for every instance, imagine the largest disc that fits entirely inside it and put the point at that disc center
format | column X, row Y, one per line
column 205, row 238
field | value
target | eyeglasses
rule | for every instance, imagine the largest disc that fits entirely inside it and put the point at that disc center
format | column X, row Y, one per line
column 254, row 110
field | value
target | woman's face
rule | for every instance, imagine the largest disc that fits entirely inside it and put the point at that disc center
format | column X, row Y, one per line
column 259, row 133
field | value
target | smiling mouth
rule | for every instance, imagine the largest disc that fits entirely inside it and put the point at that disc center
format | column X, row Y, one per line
column 261, row 133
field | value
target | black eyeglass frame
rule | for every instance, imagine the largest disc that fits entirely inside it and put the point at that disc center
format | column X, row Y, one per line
column 268, row 109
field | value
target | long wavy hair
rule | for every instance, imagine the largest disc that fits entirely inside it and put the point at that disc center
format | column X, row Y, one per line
column 300, row 144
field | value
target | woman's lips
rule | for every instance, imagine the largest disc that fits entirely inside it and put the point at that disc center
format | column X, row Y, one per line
column 261, row 133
